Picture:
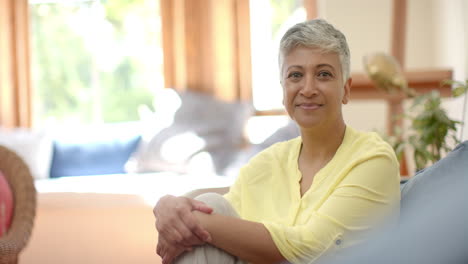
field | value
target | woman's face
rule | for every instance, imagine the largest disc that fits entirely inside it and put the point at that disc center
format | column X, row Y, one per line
column 313, row 87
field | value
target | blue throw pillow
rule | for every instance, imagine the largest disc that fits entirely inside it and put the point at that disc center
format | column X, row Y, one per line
column 105, row 156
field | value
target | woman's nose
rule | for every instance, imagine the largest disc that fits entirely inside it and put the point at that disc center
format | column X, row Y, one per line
column 309, row 88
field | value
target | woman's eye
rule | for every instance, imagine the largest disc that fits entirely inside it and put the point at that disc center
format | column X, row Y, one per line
column 295, row 75
column 324, row 74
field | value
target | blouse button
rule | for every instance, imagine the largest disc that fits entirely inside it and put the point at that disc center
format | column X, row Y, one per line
column 339, row 240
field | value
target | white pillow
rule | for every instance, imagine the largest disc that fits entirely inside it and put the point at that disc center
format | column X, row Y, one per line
column 34, row 147
column 183, row 126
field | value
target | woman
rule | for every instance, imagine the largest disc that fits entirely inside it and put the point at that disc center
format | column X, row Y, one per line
column 302, row 199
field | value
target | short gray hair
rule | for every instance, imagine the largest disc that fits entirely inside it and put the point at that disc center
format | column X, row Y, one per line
column 316, row 33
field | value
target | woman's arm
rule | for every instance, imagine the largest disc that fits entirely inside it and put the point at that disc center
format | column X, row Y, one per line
column 176, row 222
column 178, row 229
column 247, row 240
column 174, row 218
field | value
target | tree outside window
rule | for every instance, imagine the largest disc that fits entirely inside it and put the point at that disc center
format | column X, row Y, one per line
column 94, row 61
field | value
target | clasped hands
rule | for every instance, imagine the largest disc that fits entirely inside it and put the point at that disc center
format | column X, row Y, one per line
column 178, row 228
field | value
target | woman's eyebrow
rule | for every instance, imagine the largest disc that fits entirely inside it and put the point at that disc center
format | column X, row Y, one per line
column 325, row 65
column 318, row 66
column 294, row 66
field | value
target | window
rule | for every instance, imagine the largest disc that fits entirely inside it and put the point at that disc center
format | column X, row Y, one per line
column 269, row 21
column 94, row 61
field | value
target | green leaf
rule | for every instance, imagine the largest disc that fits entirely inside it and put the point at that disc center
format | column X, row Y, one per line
column 451, row 82
column 399, row 150
column 460, row 90
column 418, row 100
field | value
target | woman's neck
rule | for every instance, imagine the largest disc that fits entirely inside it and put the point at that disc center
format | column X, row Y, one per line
column 322, row 144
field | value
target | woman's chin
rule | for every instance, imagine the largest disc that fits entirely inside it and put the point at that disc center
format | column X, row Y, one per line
column 308, row 123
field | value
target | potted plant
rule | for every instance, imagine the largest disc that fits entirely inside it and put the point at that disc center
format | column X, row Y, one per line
column 431, row 132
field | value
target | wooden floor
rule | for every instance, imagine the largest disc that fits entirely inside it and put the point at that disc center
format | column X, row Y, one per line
column 92, row 229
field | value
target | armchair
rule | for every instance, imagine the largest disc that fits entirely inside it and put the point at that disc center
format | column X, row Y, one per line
column 21, row 183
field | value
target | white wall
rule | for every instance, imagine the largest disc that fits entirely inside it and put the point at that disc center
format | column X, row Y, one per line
column 366, row 24
column 465, row 23
column 421, row 35
column 462, row 13
column 451, row 45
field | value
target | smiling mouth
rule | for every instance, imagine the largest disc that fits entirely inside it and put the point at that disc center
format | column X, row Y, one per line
column 311, row 106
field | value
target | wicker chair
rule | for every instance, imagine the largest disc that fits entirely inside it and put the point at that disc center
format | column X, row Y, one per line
column 21, row 182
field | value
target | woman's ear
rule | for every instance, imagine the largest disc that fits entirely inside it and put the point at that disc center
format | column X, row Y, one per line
column 282, row 87
column 347, row 91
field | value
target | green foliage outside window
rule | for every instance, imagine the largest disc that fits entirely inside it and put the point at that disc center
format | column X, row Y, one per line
column 93, row 61
column 282, row 9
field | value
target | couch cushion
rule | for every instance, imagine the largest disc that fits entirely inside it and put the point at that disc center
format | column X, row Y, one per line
column 444, row 174
column 201, row 125
column 6, row 205
column 104, row 156
column 34, row 147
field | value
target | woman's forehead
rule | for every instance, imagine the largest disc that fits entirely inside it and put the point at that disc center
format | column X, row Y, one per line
column 305, row 55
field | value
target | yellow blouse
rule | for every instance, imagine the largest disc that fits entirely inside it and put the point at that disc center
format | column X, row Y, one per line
column 348, row 199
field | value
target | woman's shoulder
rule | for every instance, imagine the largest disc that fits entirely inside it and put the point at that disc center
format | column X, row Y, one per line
column 278, row 154
column 367, row 143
